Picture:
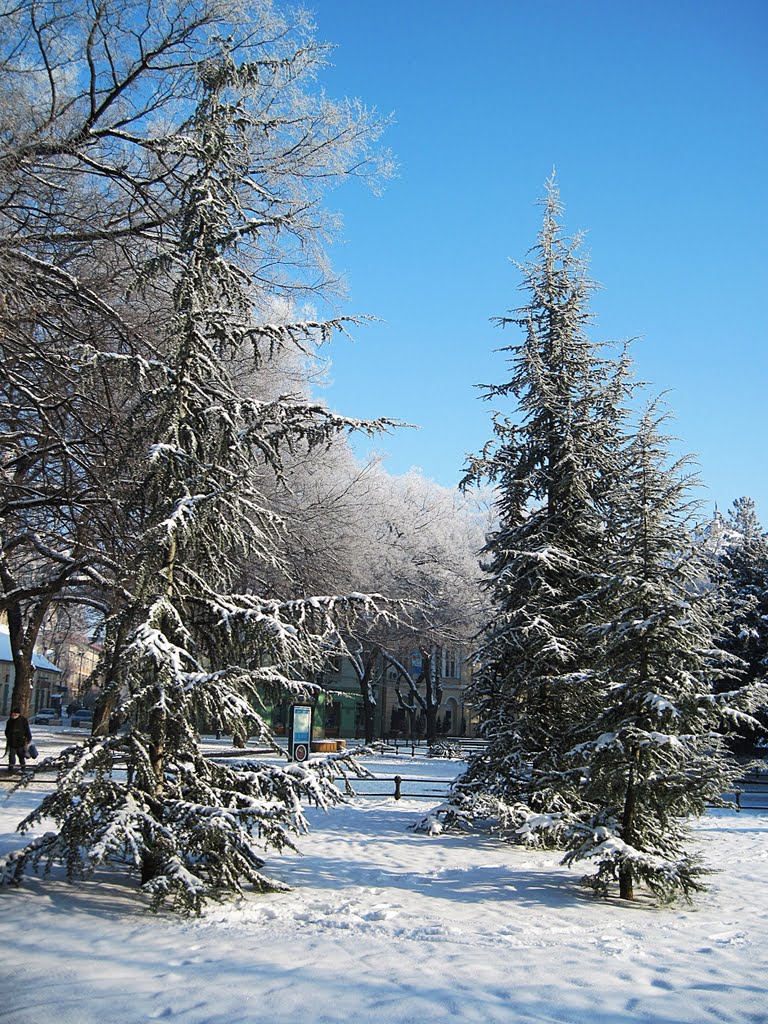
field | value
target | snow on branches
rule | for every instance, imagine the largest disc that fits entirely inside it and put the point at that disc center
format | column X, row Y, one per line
column 601, row 684
column 133, row 446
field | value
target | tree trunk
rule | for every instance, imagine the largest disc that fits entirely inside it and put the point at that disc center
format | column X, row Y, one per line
column 626, row 877
column 151, row 865
column 22, row 662
column 157, row 748
column 107, row 700
column 413, row 725
column 152, row 857
column 434, row 693
column 431, row 724
column 366, row 689
column 626, row 882
column 105, row 705
column 22, row 683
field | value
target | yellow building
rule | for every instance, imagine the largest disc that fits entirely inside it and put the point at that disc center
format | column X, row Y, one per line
column 47, row 679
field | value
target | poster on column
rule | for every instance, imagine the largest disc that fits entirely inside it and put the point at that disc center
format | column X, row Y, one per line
column 301, row 732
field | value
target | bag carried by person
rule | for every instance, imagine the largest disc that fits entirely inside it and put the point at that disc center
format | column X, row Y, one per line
column 31, row 751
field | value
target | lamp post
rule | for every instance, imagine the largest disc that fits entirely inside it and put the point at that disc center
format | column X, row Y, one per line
column 80, row 674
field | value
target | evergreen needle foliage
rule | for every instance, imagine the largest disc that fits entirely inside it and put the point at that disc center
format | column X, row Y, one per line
column 186, row 643
column 536, row 685
column 601, row 689
column 658, row 755
column 740, row 571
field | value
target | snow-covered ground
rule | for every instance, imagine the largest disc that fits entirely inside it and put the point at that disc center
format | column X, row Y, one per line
column 391, row 927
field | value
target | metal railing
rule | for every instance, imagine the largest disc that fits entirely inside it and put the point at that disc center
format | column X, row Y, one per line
column 400, row 787
column 750, row 793
column 414, row 748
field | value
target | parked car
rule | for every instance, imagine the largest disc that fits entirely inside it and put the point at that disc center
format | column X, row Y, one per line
column 45, row 716
column 83, row 717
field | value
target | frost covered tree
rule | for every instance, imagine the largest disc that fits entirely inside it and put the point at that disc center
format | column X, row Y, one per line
column 404, row 536
column 184, row 645
column 657, row 756
column 602, row 690
column 65, row 455
column 743, row 565
column 429, row 539
column 421, row 545
column 553, row 467
column 89, row 197
column 740, row 573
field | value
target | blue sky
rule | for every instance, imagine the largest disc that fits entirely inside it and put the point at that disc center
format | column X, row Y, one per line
column 654, row 115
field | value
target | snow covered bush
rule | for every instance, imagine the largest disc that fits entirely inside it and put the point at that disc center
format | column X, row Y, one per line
column 444, row 748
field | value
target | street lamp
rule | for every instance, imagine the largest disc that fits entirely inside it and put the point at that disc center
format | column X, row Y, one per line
column 80, row 673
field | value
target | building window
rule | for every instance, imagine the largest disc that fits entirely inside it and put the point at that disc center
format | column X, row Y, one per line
column 450, row 665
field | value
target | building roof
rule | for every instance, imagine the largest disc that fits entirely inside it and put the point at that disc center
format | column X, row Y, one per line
column 38, row 660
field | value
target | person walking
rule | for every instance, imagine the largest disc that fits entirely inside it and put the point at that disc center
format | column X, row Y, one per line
column 18, row 735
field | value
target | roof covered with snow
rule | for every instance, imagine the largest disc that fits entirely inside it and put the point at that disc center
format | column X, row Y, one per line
column 38, row 660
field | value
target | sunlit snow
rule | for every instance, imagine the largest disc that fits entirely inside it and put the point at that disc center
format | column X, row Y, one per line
column 387, row 926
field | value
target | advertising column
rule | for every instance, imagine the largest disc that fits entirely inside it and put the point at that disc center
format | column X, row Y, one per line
column 300, row 732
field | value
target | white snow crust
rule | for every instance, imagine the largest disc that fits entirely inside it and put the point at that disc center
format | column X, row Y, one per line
column 388, row 926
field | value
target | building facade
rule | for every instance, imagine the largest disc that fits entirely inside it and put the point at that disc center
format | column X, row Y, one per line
column 338, row 709
column 46, row 685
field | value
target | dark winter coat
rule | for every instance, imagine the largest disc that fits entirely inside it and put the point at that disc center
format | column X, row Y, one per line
column 17, row 732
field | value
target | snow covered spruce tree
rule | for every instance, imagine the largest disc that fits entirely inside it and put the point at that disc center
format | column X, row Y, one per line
column 88, row 194
column 657, row 756
column 183, row 647
column 743, row 575
column 736, row 552
column 554, row 469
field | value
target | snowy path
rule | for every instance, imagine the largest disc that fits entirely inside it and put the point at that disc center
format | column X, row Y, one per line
column 389, row 927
